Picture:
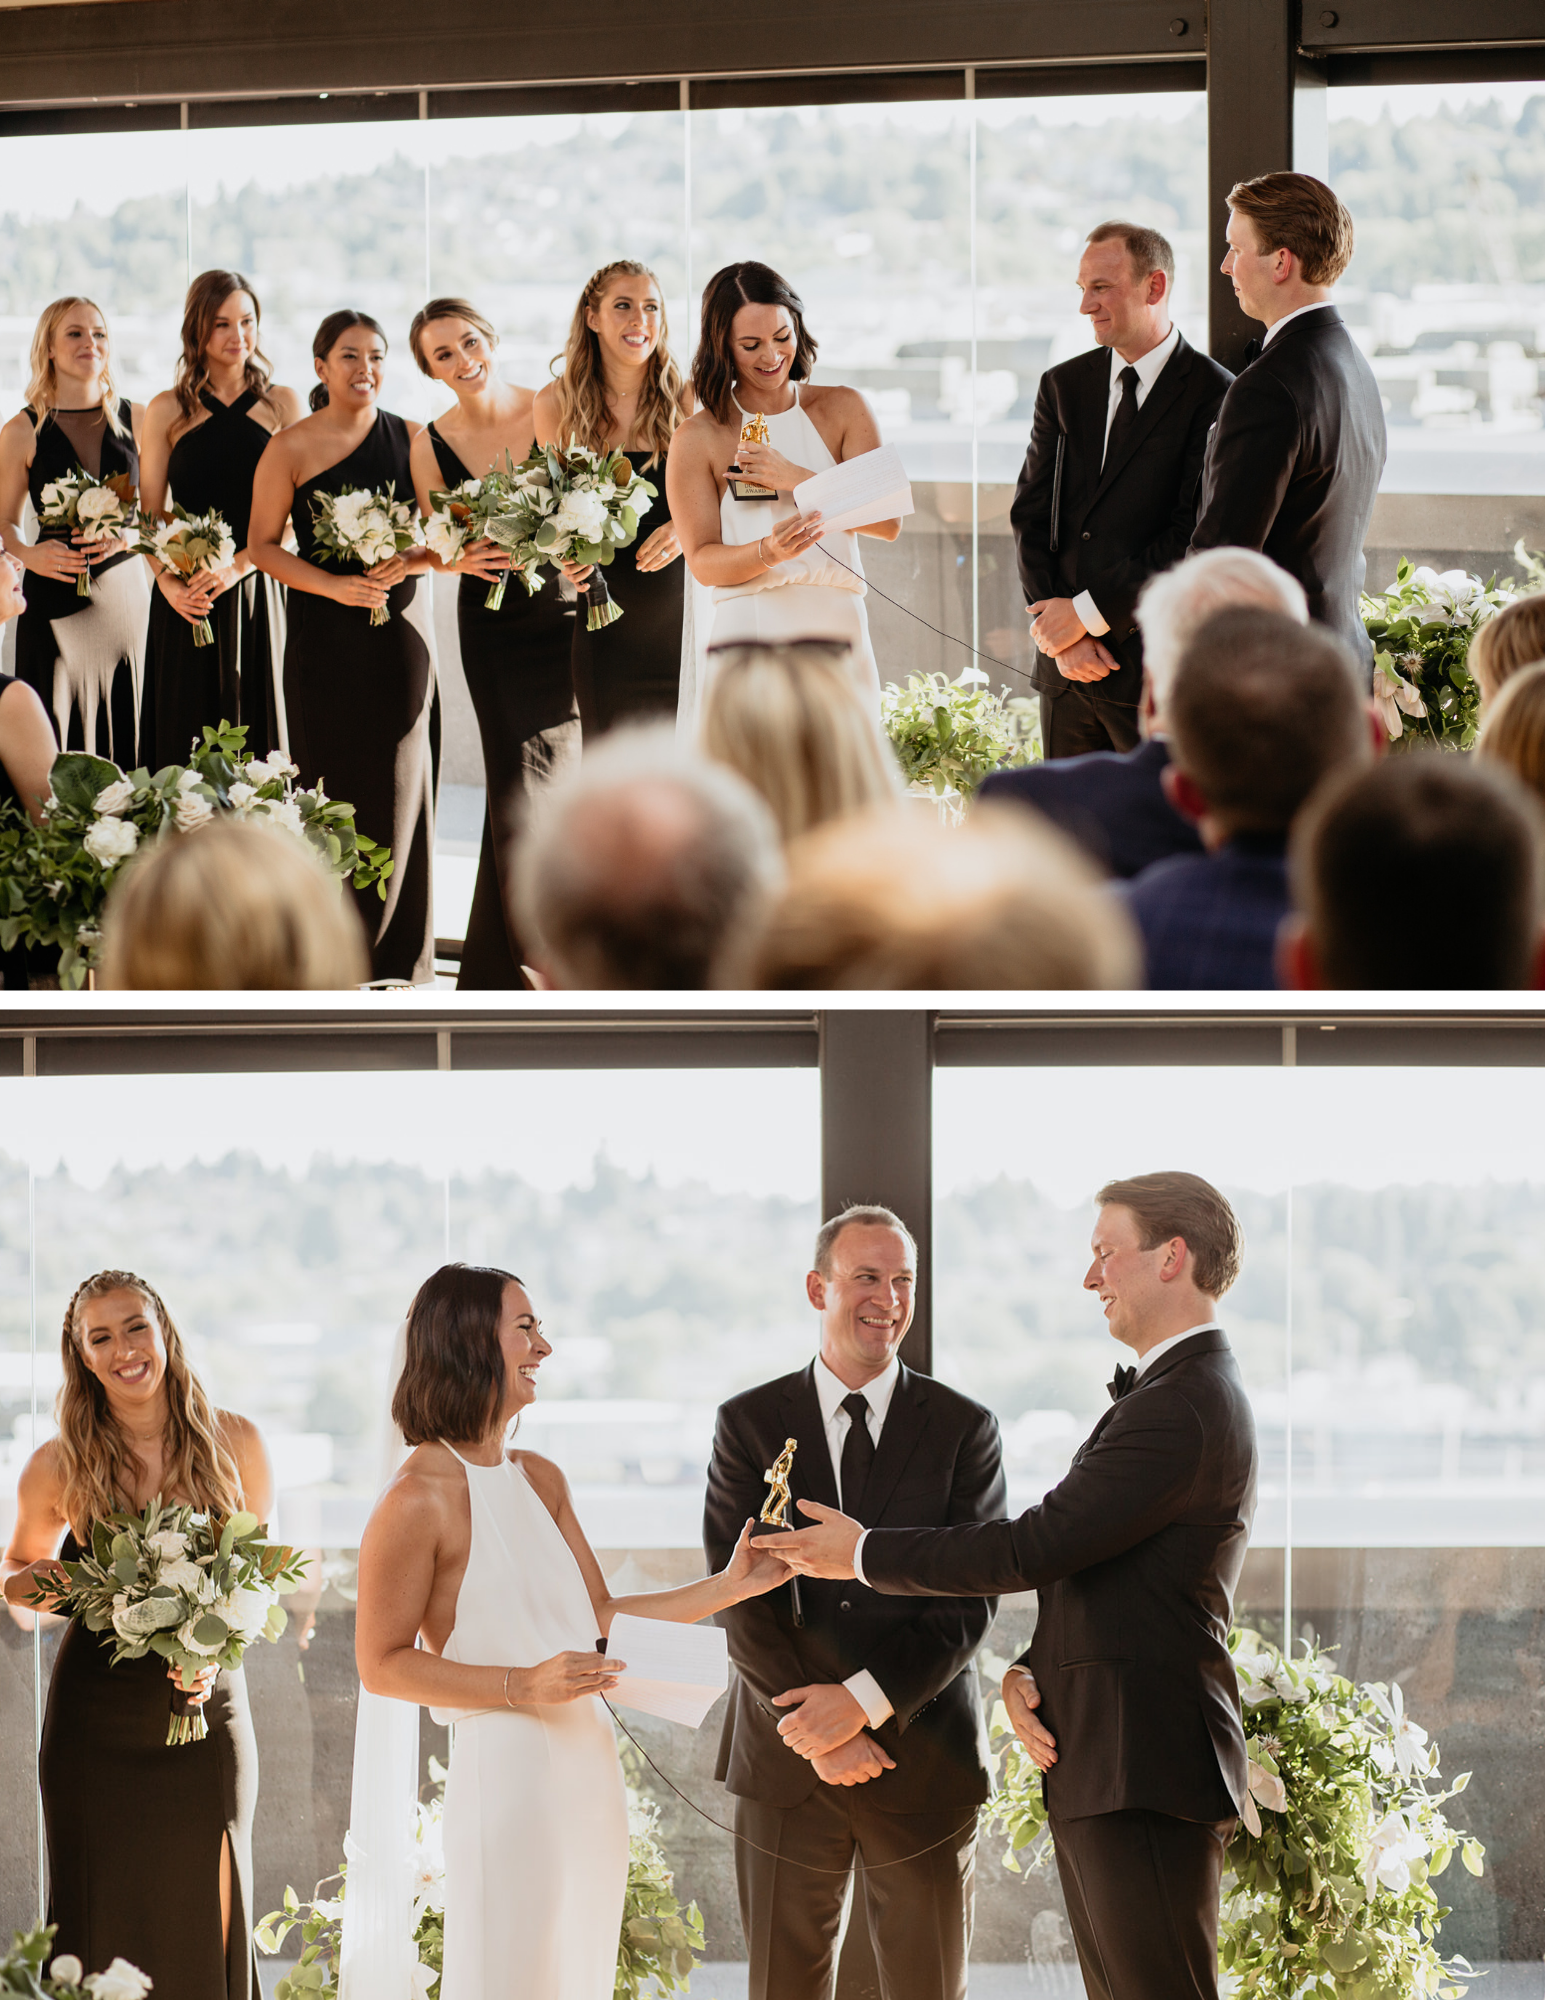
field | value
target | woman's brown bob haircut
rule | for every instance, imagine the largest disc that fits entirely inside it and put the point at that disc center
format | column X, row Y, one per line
column 452, row 1382
column 1184, row 1205
column 1298, row 213
column 713, row 366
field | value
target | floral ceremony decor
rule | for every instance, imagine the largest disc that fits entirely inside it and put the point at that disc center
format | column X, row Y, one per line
column 188, row 1586
column 365, row 526
column 54, row 878
column 80, row 503
column 189, row 545
column 30, row 1967
column 1421, row 630
column 577, row 506
column 951, row 734
column 1328, row 1893
column 661, row 1942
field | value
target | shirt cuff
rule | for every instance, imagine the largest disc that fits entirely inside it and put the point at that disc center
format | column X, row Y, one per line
column 1089, row 615
column 870, row 1696
column 858, row 1559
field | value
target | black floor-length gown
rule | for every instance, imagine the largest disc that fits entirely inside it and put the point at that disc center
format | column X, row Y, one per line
column 363, row 711
column 86, row 655
column 517, row 663
column 134, row 1825
column 630, row 671
column 23, row 963
column 238, row 677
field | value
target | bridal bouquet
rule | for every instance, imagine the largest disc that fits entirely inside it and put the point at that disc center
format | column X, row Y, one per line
column 577, row 506
column 31, row 1967
column 191, row 545
column 183, row 1584
column 463, row 515
column 81, row 503
column 1421, row 630
column 54, row 878
column 366, row 526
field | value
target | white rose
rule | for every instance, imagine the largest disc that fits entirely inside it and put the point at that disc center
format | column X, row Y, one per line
column 189, row 782
column 260, row 773
column 241, row 796
column 96, row 505
column 444, row 537
column 53, row 493
column 287, row 813
column 121, row 1981
column 185, row 1636
column 349, row 511
column 114, row 797
column 225, row 552
column 66, row 1969
column 245, row 1611
column 150, row 1614
column 111, row 840
column 181, row 1574
column 641, row 503
column 192, row 812
column 581, row 514
column 167, row 1543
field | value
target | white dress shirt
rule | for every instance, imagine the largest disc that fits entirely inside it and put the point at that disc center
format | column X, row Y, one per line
column 830, row 1391
column 1149, row 369
column 1297, row 313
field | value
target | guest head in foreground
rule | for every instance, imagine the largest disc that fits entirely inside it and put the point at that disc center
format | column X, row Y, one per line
column 1177, row 602
column 891, row 900
column 1513, row 731
column 231, row 906
column 1166, row 1248
column 790, row 719
column 1514, row 639
column 1426, row 872
column 649, row 868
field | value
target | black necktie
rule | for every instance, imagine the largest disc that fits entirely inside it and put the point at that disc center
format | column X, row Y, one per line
column 1125, row 1377
column 857, row 1452
column 1253, row 351
column 1126, row 413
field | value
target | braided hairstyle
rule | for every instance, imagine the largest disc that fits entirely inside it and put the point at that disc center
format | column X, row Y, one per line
column 96, row 1460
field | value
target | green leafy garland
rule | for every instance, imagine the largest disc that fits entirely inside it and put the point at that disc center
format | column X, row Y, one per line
column 1421, row 630
column 950, row 735
column 1329, row 1886
column 54, row 878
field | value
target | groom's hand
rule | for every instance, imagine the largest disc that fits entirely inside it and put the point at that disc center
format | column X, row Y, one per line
column 854, row 1764
column 828, row 1716
column 1021, row 1698
column 826, row 1550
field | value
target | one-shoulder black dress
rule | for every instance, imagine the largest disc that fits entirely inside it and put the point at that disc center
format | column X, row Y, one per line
column 630, row 671
column 238, row 678
column 134, row 1826
column 364, row 711
column 517, row 662
column 86, row 655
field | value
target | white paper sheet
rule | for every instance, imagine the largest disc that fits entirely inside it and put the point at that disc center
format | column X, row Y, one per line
column 872, row 487
column 674, row 1671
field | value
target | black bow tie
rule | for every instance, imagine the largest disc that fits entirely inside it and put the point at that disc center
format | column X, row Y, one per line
column 1125, row 1379
column 1252, row 352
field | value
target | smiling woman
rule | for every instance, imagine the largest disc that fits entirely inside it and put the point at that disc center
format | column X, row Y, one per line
column 134, row 1423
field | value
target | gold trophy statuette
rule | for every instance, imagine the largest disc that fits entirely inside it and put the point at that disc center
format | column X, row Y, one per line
column 775, row 1508
column 753, row 430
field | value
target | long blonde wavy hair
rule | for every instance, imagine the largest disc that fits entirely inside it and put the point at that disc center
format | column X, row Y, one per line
column 582, row 410
column 96, row 1459
column 43, row 388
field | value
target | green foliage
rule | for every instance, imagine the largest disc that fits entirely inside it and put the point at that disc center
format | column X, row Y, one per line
column 661, row 1941
column 1421, row 630
column 314, row 1976
column 951, row 734
column 1328, row 1891
column 55, row 878
column 27, row 1966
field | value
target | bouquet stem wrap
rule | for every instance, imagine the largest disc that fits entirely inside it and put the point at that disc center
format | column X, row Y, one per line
column 187, row 1724
column 603, row 607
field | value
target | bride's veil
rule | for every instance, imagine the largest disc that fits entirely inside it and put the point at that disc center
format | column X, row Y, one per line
column 378, row 1955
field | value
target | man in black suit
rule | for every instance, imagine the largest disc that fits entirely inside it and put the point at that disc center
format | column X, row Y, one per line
column 1127, row 1698
column 855, row 1725
column 1113, row 802
column 1295, row 459
column 1109, row 488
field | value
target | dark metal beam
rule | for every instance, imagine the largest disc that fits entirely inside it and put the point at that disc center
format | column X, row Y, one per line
column 877, row 1135
column 1393, row 25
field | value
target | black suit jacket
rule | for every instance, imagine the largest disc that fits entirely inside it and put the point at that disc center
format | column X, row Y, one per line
column 1136, row 1555
column 1112, row 527
column 938, row 1462
column 1294, row 464
column 1111, row 802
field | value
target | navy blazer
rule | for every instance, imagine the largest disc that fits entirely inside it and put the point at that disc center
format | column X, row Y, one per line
column 938, row 1460
column 1110, row 801
column 1210, row 921
column 1136, row 1556
column 1106, row 528
column 1294, row 463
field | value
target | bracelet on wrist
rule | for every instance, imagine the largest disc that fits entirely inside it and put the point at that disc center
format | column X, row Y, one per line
column 759, row 556
column 507, row 1672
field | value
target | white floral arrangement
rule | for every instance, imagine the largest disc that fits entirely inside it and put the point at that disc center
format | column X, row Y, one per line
column 30, row 1967
column 461, row 515
column 1421, row 629
column 1328, row 1893
column 577, row 506
column 81, row 503
column 367, row 525
column 183, row 1584
column 189, row 545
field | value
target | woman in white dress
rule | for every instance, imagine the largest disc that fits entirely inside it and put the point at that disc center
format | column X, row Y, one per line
column 476, row 1551
column 773, row 574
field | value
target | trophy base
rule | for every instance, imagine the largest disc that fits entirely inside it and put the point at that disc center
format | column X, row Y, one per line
column 748, row 489
column 764, row 1528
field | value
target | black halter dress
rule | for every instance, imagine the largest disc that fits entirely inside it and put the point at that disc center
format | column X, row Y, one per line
column 630, row 671
column 364, row 710
column 134, row 1827
column 517, row 666
column 86, row 655
column 239, row 677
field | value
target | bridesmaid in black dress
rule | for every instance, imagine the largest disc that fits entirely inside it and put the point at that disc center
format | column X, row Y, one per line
column 620, row 388
column 361, row 700
column 84, row 655
column 149, row 1848
column 27, row 750
column 516, row 659
column 203, row 439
